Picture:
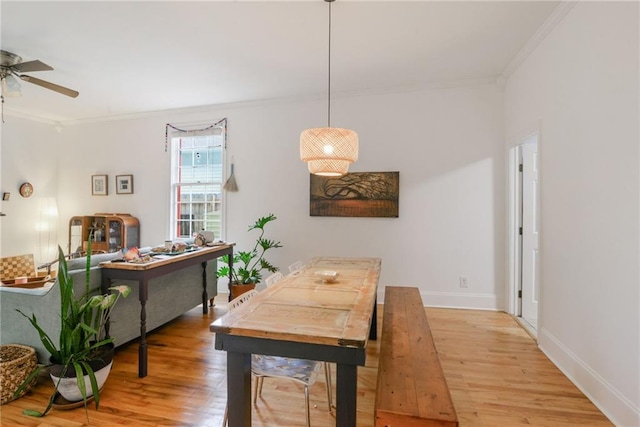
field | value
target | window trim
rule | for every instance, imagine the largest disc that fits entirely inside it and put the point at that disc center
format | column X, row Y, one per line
column 177, row 132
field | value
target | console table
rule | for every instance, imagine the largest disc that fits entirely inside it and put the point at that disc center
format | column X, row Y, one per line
column 144, row 272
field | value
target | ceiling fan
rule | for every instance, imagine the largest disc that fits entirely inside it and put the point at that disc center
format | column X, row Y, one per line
column 11, row 66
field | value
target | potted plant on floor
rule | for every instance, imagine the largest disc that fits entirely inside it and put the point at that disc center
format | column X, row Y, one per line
column 81, row 360
column 248, row 265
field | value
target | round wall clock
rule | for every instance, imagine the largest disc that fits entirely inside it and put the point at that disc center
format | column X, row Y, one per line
column 26, row 189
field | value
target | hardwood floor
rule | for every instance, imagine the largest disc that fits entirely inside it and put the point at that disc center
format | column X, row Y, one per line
column 496, row 374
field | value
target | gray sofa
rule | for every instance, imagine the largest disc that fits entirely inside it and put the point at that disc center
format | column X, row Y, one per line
column 172, row 295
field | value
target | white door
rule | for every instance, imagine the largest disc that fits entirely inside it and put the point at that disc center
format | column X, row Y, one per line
column 530, row 262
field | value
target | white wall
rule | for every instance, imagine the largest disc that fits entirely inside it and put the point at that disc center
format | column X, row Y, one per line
column 581, row 85
column 446, row 143
column 29, row 153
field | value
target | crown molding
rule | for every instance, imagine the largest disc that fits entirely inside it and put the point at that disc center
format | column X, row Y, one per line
column 545, row 29
column 58, row 124
column 12, row 113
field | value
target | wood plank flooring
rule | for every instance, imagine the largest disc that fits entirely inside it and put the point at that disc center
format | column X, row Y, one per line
column 496, row 374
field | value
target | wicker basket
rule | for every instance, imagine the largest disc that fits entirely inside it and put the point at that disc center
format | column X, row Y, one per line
column 16, row 363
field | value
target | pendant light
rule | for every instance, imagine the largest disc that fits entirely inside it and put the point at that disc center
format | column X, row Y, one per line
column 329, row 151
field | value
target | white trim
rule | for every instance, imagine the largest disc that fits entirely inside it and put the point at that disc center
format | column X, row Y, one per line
column 456, row 300
column 8, row 112
column 522, row 133
column 620, row 410
column 453, row 84
column 512, row 214
column 513, row 269
column 543, row 31
column 172, row 148
column 225, row 176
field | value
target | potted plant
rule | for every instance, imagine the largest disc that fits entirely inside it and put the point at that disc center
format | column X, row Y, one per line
column 82, row 349
column 248, row 265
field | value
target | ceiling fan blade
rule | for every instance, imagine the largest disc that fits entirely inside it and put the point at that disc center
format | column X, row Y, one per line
column 54, row 87
column 32, row 66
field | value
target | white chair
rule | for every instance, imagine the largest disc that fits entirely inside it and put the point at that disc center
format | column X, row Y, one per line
column 300, row 370
column 295, row 266
column 237, row 302
column 274, row 278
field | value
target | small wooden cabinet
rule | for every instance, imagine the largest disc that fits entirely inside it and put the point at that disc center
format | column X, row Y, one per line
column 110, row 232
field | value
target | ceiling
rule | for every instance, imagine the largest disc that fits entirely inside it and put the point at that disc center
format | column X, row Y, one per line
column 137, row 57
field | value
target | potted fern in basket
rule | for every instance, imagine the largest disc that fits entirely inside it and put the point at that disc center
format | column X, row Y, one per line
column 81, row 359
column 248, row 265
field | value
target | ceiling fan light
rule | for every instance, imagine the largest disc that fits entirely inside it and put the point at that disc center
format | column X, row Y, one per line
column 11, row 87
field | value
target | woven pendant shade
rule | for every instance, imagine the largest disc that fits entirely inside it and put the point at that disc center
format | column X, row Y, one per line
column 328, row 151
column 328, row 167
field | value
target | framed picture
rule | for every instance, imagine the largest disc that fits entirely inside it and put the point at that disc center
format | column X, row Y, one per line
column 124, row 184
column 357, row 194
column 99, row 185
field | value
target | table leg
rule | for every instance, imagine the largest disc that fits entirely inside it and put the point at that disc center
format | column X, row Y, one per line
column 239, row 389
column 105, row 285
column 373, row 332
column 205, row 298
column 230, row 264
column 346, row 398
column 142, row 349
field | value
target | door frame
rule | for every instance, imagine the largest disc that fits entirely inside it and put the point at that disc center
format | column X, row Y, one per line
column 515, row 247
column 514, row 305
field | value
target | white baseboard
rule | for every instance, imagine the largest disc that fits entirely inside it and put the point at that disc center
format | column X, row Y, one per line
column 456, row 300
column 620, row 410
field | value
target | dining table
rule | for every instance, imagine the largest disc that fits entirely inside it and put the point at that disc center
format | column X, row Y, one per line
column 304, row 316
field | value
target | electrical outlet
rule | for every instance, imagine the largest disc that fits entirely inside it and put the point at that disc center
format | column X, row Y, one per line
column 464, row 282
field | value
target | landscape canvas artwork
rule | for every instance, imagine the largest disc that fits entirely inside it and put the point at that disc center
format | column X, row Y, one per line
column 358, row 194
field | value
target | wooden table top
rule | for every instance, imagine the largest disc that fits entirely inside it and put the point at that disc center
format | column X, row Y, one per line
column 302, row 308
column 159, row 260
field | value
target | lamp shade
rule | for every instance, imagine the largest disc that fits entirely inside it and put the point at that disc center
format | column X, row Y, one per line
column 328, row 151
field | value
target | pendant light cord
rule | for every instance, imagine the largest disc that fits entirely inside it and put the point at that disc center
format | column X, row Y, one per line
column 329, row 73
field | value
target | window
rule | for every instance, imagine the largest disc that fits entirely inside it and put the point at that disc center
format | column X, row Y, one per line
column 197, row 160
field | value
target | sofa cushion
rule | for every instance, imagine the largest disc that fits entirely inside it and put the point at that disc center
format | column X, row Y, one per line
column 80, row 263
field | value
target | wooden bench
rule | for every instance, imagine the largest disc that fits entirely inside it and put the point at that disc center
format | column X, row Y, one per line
column 411, row 388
